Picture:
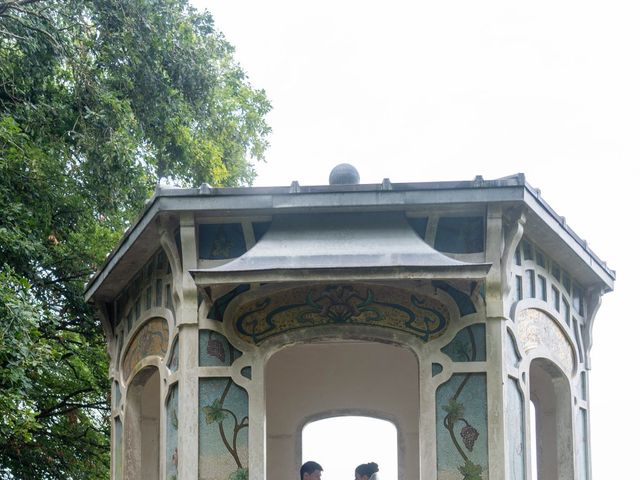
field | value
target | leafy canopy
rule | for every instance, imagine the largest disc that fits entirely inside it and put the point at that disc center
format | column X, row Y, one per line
column 99, row 100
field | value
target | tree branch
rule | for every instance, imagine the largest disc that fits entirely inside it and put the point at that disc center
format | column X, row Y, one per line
column 47, row 412
column 77, row 406
column 51, row 38
column 13, row 35
column 15, row 4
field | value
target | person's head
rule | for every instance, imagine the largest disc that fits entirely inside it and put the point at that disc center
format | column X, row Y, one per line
column 310, row 471
column 366, row 470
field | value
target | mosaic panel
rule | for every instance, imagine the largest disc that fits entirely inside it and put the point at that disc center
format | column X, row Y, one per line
column 469, row 345
column 461, row 432
column 463, row 301
column 515, row 432
column 513, row 357
column 582, row 443
column 168, row 298
column 151, row 340
column 178, row 239
column 174, row 363
column 530, row 280
column 221, row 241
column 215, row 350
column 259, row 229
column 171, row 461
column 527, row 250
column 518, row 289
column 576, row 336
column 158, row 292
column 542, row 288
column 221, row 303
column 306, row 307
column 460, row 235
column 145, row 290
column 534, row 328
column 565, row 311
column 555, row 271
column 553, row 285
column 583, row 386
column 578, row 299
column 117, row 393
column 419, row 225
column 117, row 449
column 556, row 298
column 223, row 424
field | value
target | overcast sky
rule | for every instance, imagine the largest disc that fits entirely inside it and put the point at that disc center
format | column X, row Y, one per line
column 428, row 91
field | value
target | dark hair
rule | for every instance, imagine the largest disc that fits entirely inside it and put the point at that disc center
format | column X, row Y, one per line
column 367, row 469
column 309, row 467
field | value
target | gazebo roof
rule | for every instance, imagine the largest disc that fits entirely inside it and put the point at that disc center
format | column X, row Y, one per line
column 543, row 225
column 339, row 246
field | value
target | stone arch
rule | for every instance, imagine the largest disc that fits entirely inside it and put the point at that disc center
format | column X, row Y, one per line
column 147, row 345
column 541, row 334
column 550, row 392
column 142, row 426
column 309, row 381
column 272, row 315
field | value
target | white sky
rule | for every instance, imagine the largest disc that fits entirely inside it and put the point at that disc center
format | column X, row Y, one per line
column 363, row 439
column 428, row 91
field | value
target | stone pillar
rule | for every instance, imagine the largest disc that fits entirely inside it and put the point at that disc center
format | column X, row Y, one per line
column 187, row 324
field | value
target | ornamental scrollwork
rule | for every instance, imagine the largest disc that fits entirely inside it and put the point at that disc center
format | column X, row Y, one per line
column 302, row 307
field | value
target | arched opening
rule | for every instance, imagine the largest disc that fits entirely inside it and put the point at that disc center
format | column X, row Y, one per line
column 142, row 426
column 550, row 393
column 316, row 381
column 365, row 439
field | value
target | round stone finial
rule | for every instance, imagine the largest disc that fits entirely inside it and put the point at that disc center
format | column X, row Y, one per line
column 344, row 174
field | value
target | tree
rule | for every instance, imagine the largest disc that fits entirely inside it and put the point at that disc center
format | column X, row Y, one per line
column 99, row 100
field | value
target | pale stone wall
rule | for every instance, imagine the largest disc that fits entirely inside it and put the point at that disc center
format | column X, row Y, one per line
column 550, row 323
column 309, row 382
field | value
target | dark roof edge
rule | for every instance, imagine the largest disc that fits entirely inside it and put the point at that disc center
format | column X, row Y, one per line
column 152, row 205
column 562, row 222
column 386, row 185
column 330, row 274
column 165, row 198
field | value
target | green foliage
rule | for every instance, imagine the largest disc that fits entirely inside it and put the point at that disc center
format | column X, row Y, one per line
column 52, row 386
column 214, row 413
column 454, row 409
column 99, row 99
column 21, row 354
column 470, row 471
column 240, row 474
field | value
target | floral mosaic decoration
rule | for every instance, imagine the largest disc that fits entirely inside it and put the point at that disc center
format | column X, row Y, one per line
column 388, row 307
column 467, row 346
column 225, row 421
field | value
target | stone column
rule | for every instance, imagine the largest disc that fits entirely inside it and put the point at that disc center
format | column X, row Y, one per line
column 187, row 322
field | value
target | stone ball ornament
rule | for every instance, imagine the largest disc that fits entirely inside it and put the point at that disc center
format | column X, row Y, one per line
column 344, row 174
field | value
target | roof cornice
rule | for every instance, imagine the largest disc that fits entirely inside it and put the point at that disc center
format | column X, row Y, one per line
column 385, row 196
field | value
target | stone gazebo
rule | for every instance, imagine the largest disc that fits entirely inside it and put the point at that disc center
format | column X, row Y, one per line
column 235, row 316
